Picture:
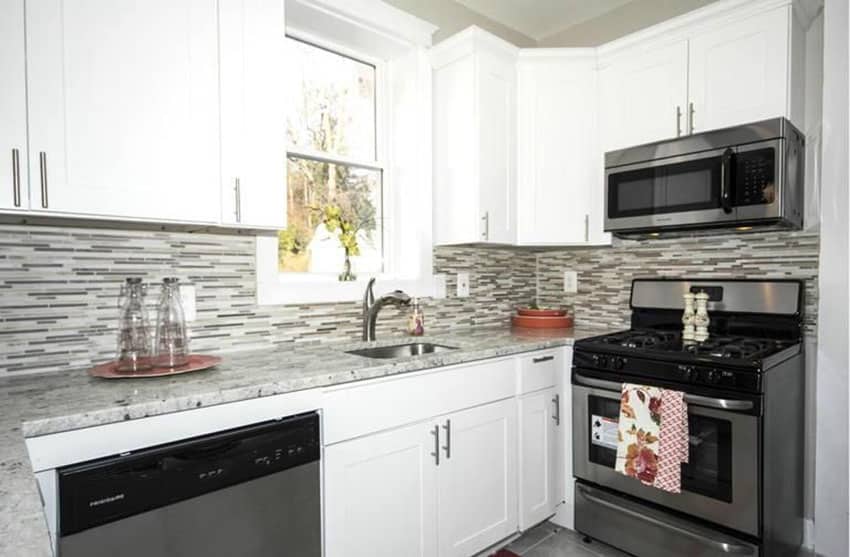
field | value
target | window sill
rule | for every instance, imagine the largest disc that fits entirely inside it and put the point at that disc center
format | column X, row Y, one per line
column 275, row 288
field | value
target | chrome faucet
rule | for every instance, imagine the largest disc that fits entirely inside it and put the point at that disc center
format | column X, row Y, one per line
column 371, row 307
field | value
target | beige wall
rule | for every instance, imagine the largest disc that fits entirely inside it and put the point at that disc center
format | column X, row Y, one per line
column 452, row 17
column 619, row 22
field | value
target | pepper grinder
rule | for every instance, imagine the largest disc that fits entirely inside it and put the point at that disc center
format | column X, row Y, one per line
column 688, row 332
column 701, row 319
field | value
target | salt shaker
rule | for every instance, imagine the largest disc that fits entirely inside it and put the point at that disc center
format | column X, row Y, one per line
column 688, row 331
column 701, row 319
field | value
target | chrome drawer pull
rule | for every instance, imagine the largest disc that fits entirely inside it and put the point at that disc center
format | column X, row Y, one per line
column 542, row 359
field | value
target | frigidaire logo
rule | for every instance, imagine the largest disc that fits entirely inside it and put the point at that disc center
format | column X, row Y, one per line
column 105, row 500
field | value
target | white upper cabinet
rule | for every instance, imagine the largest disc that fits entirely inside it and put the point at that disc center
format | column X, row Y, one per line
column 560, row 187
column 253, row 119
column 474, row 167
column 14, row 188
column 644, row 96
column 124, row 108
column 717, row 67
column 739, row 71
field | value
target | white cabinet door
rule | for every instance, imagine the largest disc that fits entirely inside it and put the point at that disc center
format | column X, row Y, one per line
column 381, row 495
column 644, row 97
column 477, row 479
column 540, row 461
column 560, row 186
column 474, row 158
column 253, row 119
column 14, row 189
column 496, row 86
column 739, row 72
column 124, row 108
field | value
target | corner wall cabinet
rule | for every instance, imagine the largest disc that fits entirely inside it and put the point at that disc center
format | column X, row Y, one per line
column 126, row 120
column 730, row 63
column 474, row 96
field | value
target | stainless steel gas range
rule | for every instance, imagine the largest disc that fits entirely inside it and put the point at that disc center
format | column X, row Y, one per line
column 742, row 489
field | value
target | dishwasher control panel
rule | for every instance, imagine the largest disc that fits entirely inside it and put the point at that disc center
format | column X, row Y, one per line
column 101, row 491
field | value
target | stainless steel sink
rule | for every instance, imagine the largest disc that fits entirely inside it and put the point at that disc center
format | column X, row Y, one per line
column 401, row 350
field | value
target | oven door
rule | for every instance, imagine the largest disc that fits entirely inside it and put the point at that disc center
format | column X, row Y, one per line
column 720, row 483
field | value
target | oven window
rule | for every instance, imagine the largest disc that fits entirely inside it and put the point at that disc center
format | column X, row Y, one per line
column 673, row 188
column 709, row 468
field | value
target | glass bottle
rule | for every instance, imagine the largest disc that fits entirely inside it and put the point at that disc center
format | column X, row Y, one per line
column 172, row 342
column 134, row 349
column 416, row 320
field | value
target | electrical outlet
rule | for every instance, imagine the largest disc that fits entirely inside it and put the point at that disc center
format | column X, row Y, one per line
column 570, row 282
column 463, row 285
column 187, row 300
column 439, row 287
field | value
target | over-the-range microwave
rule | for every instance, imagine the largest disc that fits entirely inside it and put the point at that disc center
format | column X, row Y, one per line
column 742, row 176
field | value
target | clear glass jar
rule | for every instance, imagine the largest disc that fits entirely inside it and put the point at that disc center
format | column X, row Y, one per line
column 172, row 341
column 134, row 348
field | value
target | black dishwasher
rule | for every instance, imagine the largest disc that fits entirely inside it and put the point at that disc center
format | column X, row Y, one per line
column 249, row 491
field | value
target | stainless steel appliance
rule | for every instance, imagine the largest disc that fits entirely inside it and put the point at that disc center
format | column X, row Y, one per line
column 742, row 176
column 251, row 491
column 742, row 489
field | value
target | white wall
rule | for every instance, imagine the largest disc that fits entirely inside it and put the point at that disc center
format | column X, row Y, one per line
column 831, row 481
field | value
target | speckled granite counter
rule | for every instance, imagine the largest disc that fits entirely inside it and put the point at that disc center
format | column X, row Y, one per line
column 40, row 405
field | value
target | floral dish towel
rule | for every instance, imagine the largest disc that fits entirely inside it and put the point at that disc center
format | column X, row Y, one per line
column 652, row 435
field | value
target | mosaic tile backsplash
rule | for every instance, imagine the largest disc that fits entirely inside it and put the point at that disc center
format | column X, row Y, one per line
column 605, row 274
column 59, row 287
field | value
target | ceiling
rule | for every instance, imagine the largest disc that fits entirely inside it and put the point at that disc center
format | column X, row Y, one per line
column 540, row 18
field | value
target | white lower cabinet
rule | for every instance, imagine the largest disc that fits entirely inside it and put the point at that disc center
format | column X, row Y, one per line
column 443, row 487
column 477, row 501
column 381, row 495
column 540, row 458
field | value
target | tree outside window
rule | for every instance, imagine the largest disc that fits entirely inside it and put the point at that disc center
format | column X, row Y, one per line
column 334, row 184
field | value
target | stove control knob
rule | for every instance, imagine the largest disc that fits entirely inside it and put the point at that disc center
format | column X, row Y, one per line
column 712, row 377
column 600, row 360
column 689, row 373
column 618, row 363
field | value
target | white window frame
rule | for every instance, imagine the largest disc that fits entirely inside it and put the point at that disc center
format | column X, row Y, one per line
column 407, row 251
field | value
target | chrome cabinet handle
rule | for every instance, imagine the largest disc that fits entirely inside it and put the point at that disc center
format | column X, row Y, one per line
column 448, row 445
column 691, row 117
column 436, row 454
column 708, row 402
column 721, row 543
column 556, row 400
column 16, row 177
column 678, row 121
column 586, row 228
column 486, row 233
column 42, row 169
column 542, row 359
column 237, row 191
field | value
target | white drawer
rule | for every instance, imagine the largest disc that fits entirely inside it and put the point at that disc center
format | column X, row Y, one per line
column 540, row 370
column 387, row 403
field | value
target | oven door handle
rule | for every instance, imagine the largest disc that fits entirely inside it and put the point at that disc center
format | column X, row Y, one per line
column 697, row 400
column 723, row 544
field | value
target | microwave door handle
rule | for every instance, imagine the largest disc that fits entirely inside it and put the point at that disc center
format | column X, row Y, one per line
column 726, row 180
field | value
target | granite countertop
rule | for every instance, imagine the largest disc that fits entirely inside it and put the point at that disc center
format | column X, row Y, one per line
column 45, row 404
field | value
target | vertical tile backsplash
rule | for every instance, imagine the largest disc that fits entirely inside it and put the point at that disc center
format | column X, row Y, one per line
column 59, row 287
column 59, row 290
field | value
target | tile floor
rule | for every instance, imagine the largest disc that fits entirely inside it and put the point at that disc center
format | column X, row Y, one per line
column 549, row 540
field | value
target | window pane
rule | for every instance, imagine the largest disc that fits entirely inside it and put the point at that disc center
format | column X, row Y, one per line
column 331, row 102
column 307, row 244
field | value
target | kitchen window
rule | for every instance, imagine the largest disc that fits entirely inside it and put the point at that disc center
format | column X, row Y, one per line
column 359, row 151
column 334, row 175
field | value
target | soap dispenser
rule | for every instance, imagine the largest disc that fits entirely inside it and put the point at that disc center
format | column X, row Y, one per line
column 416, row 321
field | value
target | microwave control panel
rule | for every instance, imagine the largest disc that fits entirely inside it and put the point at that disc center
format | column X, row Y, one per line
column 755, row 177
